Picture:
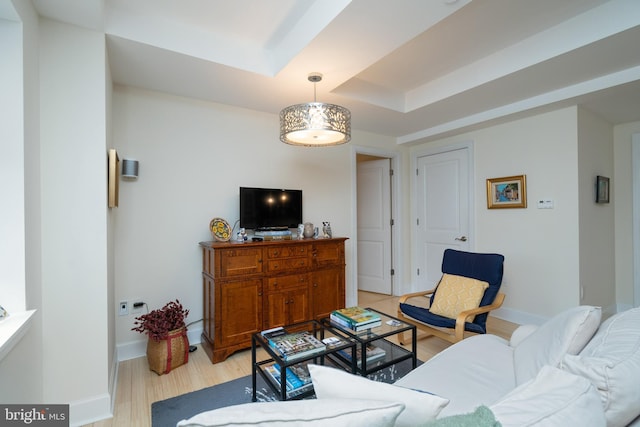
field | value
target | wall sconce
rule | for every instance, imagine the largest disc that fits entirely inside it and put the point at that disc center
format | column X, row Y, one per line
column 130, row 168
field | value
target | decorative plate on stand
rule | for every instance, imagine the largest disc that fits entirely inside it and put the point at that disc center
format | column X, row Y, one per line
column 220, row 229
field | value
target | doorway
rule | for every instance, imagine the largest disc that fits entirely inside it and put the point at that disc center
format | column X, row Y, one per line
column 443, row 208
column 374, row 224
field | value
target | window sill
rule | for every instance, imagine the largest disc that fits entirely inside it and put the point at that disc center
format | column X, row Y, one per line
column 12, row 329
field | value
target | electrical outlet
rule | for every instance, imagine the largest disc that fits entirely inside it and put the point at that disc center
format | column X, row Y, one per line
column 123, row 308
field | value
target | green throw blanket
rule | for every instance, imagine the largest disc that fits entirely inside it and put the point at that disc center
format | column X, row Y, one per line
column 481, row 417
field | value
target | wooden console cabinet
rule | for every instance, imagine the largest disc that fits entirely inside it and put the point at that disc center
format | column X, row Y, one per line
column 252, row 286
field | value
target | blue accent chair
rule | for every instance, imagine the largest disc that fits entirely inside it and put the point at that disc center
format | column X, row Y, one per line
column 485, row 267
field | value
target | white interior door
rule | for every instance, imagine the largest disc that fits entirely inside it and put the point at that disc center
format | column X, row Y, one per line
column 374, row 226
column 443, row 207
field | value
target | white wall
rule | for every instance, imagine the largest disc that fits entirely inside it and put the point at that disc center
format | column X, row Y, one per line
column 540, row 246
column 193, row 158
column 621, row 192
column 597, row 258
column 74, row 219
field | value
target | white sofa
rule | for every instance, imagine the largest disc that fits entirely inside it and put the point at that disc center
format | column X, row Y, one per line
column 558, row 374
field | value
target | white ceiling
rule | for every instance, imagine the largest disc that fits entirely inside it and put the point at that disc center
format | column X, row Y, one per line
column 411, row 69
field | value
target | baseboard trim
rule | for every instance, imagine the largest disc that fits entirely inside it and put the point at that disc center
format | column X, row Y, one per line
column 517, row 316
column 87, row 411
column 135, row 349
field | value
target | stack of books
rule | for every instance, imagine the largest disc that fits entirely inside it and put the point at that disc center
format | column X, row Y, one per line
column 297, row 377
column 292, row 346
column 373, row 354
column 355, row 318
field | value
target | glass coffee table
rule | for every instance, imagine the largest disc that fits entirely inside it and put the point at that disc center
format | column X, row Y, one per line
column 272, row 366
column 382, row 352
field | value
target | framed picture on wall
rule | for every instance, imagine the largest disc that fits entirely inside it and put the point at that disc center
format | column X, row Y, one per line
column 507, row 192
column 602, row 189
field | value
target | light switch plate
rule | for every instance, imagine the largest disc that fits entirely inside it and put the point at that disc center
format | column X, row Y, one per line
column 545, row 204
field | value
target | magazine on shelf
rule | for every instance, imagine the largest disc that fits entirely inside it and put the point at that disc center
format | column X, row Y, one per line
column 374, row 353
column 357, row 316
column 296, row 345
column 341, row 321
column 297, row 377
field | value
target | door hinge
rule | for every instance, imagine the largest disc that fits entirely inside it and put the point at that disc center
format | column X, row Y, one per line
column 418, row 272
column 417, row 221
column 417, row 173
column 393, row 272
column 392, row 223
column 390, row 172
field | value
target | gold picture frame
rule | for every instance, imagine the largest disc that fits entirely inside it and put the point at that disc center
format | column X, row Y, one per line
column 507, row 192
column 113, row 175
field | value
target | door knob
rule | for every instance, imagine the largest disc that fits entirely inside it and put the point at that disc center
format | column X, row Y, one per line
column 462, row 239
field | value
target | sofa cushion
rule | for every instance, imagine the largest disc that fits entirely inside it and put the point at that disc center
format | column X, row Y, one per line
column 455, row 294
column 611, row 361
column 333, row 412
column 477, row 370
column 565, row 333
column 333, row 383
column 554, row 398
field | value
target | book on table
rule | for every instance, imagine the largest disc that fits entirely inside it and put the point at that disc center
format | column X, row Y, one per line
column 297, row 376
column 373, row 354
column 296, row 345
column 356, row 318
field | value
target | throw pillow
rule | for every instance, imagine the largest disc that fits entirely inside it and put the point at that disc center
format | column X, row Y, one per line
column 455, row 294
column 313, row 413
column 481, row 417
column 332, row 383
column 565, row 333
column 554, row 398
column 611, row 361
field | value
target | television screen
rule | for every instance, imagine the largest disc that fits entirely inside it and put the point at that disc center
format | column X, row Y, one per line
column 267, row 208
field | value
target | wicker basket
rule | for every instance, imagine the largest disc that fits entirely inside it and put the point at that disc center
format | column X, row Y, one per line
column 168, row 354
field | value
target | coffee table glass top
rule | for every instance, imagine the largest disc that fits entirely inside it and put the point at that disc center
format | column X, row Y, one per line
column 389, row 326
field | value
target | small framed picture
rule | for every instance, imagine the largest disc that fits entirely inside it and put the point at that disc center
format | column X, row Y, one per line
column 602, row 189
column 507, row 192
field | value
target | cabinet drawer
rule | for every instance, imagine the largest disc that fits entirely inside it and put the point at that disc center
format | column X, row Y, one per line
column 287, row 264
column 330, row 253
column 241, row 261
column 275, row 284
column 288, row 251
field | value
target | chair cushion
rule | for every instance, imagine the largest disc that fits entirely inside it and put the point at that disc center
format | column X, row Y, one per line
column 423, row 315
column 319, row 413
column 611, row 361
column 455, row 294
column 333, row 383
column 565, row 333
column 552, row 399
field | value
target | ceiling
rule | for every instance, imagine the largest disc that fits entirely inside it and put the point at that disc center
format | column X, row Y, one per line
column 415, row 70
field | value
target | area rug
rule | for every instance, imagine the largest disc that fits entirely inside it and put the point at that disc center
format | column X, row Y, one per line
column 166, row 413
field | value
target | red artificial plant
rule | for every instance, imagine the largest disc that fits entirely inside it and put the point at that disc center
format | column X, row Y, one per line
column 157, row 323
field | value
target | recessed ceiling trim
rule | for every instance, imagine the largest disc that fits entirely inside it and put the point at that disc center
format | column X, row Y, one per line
column 572, row 34
column 549, row 98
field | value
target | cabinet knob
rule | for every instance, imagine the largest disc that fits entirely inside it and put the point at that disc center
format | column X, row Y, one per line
column 276, row 253
column 315, row 285
column 259, row 294
column 291, row 301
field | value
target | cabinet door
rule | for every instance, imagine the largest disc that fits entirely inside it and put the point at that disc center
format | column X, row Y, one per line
column 298, row 305
column 240, row 262
column 327, row 253
column 327, row 291
column 286, row 307
column 240, row 311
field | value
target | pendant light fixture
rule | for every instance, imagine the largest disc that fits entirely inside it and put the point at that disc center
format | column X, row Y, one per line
column 315, row 124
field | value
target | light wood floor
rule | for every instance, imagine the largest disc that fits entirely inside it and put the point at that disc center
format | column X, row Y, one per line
column 138, row 387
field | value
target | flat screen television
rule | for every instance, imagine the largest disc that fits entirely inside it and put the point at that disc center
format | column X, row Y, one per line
column 270, row 208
